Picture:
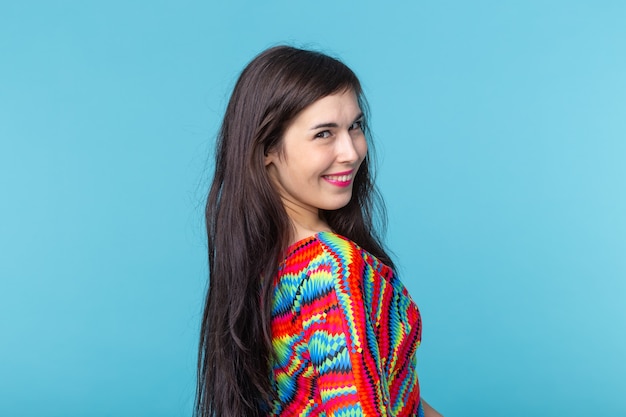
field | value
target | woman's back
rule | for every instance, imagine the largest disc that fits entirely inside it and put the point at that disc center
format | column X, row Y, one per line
column 344, row 332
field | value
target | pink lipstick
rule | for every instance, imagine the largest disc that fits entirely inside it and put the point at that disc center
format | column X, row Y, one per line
column 340, row 179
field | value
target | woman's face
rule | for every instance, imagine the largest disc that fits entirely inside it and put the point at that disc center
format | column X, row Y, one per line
column 319, row 155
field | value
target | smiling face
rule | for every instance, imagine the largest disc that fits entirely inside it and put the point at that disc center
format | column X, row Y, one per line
column 318, row 158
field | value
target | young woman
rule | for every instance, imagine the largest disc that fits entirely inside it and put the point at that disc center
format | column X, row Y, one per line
column 304, row 314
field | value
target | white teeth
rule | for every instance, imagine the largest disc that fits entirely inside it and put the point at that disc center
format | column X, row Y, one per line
column 340, row 178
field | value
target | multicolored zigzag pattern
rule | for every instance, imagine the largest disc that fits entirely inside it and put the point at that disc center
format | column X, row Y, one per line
column 345, row 332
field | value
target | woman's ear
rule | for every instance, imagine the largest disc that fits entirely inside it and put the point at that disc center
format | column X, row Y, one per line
column 271, row 156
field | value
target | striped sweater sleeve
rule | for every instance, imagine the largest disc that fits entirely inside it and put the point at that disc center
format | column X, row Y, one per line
column 348, row 380
column 352, row 331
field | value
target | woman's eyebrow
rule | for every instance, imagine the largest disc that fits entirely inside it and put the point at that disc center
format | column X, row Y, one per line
column 332, row 124
column 324, row 125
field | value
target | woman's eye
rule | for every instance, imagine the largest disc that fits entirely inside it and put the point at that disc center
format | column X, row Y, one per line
column 324, row 134
column 356, row 125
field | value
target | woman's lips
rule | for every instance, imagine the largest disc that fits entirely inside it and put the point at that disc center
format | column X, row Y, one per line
column 340, row 179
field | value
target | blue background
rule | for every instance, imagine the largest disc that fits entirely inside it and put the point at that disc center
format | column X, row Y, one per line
column 501, row 132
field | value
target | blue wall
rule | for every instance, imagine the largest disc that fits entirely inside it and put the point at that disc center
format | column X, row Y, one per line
column 501, row 132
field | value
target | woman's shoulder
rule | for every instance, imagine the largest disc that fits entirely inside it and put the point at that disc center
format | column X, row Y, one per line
column 329, row 248
column 323, row 242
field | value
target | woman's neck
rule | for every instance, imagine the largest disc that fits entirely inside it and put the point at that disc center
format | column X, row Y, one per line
column 305, row 223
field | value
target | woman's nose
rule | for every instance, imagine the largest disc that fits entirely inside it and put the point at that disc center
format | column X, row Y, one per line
column 346, row 148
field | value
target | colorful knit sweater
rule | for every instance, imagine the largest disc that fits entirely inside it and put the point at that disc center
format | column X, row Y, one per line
column 345, row 332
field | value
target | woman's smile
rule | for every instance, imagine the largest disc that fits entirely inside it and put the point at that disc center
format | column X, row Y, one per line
column 340, row 179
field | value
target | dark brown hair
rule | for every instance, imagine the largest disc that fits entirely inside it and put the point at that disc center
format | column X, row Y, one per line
column 248, row 229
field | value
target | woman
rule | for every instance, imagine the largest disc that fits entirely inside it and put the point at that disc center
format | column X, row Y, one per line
column 304, row 315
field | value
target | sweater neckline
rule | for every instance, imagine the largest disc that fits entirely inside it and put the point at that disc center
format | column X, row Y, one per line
column 304, row 241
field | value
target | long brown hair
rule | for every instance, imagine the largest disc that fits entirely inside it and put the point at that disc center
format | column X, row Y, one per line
column 248, row 228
